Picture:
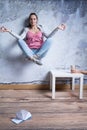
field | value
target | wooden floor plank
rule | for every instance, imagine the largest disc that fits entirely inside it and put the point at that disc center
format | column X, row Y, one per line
column 48, row 120
column 66, row 112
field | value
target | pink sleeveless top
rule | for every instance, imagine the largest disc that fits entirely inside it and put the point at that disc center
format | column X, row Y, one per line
column 34, row 40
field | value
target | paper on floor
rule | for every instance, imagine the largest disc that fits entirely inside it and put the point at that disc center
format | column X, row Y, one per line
column 21, row 116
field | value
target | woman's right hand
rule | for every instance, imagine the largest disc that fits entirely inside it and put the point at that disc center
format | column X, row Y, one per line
column 3, row 29
column 62, row 27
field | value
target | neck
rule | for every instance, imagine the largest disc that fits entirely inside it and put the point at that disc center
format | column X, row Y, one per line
column 34, row 27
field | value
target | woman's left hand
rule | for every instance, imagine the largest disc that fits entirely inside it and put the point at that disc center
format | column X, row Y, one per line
column 3, row 29
column 62, row 27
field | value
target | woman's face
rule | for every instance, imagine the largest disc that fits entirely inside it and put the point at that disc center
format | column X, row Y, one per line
column 33, row 20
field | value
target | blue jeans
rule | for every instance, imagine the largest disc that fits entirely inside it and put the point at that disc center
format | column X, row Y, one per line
column 41, row 52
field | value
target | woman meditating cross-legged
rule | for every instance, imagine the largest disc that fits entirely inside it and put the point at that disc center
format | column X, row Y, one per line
column 31, row 41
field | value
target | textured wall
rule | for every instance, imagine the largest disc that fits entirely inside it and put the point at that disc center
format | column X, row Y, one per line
column 69, row 47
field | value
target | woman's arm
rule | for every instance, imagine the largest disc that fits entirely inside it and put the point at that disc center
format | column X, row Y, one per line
column 83, row 71
column 78, row 71
column 60, row 27
column 22, row 36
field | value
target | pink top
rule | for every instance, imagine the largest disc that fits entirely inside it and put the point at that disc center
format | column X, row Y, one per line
column 34, row 40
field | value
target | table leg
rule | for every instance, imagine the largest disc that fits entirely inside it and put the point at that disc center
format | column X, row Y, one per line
column 53, row 87
column 73, row 83
column 81, row 88
column 50, row 81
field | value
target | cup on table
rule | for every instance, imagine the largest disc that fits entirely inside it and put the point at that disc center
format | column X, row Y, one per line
column 72, row 68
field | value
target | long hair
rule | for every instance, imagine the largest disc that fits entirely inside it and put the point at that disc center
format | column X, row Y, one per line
column 29, row 25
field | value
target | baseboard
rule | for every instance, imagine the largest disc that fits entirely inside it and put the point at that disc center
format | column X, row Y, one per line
column 23, row 86
column 37, row 86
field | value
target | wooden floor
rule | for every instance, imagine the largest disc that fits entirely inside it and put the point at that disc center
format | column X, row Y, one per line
column 66, row 112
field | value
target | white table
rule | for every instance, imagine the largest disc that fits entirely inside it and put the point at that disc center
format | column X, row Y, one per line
column 63, row 74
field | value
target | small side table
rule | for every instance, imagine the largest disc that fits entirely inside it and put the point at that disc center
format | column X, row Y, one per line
column 63, row 74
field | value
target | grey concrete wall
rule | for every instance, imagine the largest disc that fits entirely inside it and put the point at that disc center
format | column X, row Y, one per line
column 69, row 47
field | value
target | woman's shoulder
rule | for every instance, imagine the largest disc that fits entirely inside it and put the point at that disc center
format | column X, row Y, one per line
column 41, row 27
column 26, row 28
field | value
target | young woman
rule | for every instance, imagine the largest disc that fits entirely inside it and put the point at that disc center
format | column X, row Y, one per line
column 31, row 41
